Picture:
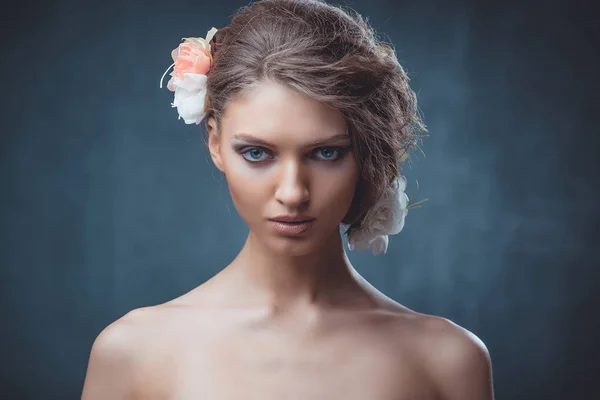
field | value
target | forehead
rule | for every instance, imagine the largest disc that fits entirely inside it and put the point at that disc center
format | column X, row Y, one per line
column 274, row 111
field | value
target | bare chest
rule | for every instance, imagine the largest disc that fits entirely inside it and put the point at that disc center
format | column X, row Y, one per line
column 267, row 365
column 275, row 377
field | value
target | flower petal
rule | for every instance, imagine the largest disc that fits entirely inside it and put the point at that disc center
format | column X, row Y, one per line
column 192, row 82
column 171, row 85
column 380, row 245
column 175, row 54
column 210, row 34
column 190, row 104
column 402, row 183
column 359, row 240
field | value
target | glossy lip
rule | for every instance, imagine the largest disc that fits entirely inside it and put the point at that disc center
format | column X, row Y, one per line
column 291, row 218
column 291, row 228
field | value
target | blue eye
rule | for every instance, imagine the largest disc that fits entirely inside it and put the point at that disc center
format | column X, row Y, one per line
column 253, row 154
column 330, row 153
column 259, row 154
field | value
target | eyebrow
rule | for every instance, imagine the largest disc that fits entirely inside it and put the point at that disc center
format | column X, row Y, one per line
column 246, row 137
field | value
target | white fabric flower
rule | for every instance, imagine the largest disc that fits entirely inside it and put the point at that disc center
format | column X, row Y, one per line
column 385, row 218
column 190, row 95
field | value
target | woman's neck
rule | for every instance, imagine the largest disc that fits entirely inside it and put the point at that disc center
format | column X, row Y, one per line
column 287, row 284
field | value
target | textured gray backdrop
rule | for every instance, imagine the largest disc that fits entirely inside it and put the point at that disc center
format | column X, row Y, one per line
column 109, row 203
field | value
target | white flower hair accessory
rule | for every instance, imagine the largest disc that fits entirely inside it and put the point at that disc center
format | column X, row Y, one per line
column 385, row 218
column 192, row 60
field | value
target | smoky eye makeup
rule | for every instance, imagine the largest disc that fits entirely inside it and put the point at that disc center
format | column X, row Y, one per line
column 330, row 153
column 258, row 154
column 254, row 154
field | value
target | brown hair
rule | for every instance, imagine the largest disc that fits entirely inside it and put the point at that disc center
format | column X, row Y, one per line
column 331, row 54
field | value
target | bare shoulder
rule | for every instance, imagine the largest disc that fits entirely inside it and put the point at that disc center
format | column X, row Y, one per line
column 115, row 354
column 123, row 335
column 456, row 359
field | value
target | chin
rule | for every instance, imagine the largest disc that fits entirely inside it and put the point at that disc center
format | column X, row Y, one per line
column 296, row 246
column 297, row 249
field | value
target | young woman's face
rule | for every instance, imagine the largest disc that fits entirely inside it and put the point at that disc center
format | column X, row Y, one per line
column 284, row 154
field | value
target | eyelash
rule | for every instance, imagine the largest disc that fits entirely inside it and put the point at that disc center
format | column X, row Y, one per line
column 339, row 150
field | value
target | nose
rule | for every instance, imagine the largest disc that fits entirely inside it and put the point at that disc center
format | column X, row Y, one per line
column 292, row 189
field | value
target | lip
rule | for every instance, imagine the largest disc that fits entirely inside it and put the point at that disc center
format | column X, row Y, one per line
column 291, row 218
column 291, row 228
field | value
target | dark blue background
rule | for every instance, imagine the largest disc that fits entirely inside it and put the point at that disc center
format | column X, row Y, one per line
column 109, row 203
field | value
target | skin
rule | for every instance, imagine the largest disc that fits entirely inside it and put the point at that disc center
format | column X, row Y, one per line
column 289, row 317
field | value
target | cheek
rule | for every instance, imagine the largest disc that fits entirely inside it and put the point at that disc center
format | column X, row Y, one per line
column 247, row 188
column 335, row 189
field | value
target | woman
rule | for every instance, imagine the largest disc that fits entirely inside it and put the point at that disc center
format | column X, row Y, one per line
column 308, row 118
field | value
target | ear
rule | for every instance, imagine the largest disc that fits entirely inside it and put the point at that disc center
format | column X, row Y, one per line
column 214, row 143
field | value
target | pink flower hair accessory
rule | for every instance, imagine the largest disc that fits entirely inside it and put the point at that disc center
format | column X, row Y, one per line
column 192, row 61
